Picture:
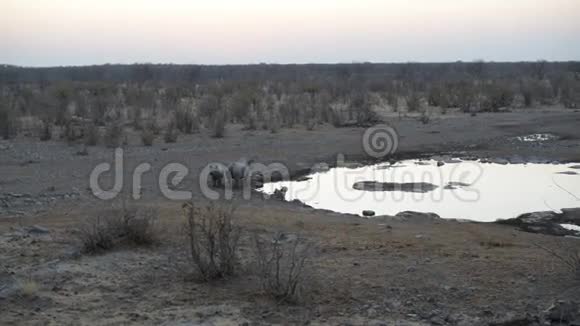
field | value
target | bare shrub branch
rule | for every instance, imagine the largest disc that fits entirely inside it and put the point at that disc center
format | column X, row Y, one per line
column 281, row 265
column 213, row 240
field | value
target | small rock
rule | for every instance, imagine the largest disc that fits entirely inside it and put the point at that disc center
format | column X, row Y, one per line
column 285, row 237
column 368, row 213
column 440, row 163
column 501, row 161
column 37, row 229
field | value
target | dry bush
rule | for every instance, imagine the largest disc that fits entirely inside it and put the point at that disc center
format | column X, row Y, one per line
column 498, row 96
column 438, row 96
column 274, row 122
column 153, row 126
column 570, row 97
column 72, row 132
column 118, row 227
column 46, row 131
column 213, row 240
column 147, row 137
column 7, row 124
column 311, row 124
column 251, row 120
column 27, row 287
column 282, row 263
column 425, row 118
column 337, row 118
column 91, row 135
column 170, row 135
column 567, row 253
column 187, row 122
column 114, row 136
column 413, row 102
column 393, row 101
column 366, row 116
column 218, row 124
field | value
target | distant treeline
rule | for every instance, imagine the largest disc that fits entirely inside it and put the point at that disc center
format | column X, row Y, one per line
column 192, row 98
column 284, row 72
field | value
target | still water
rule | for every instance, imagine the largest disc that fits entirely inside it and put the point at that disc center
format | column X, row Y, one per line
column 459, row 189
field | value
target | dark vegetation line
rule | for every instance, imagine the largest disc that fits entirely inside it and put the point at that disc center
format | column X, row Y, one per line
column 184, row 99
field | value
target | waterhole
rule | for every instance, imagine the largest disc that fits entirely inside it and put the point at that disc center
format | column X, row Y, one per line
column 458, row 189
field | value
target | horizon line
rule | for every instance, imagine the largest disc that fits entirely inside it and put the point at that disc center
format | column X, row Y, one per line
column 282, row 64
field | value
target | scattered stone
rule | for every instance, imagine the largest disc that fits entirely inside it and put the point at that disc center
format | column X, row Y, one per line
column 576, row 167
column 501, row 161
column 440, row 163
column 368, row 213
column 37, row 229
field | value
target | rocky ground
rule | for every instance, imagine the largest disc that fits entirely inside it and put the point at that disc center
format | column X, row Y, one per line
column 410, row 269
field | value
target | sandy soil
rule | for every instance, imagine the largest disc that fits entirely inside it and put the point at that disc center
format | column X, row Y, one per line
column 387, row 271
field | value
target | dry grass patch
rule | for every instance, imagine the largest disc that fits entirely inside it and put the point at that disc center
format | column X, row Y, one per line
column 567, row 253
column 106, row 231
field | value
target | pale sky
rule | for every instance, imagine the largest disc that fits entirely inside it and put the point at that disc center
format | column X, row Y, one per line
column 81, row 32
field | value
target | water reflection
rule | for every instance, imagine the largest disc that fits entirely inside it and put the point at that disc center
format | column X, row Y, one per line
column 465, row 190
